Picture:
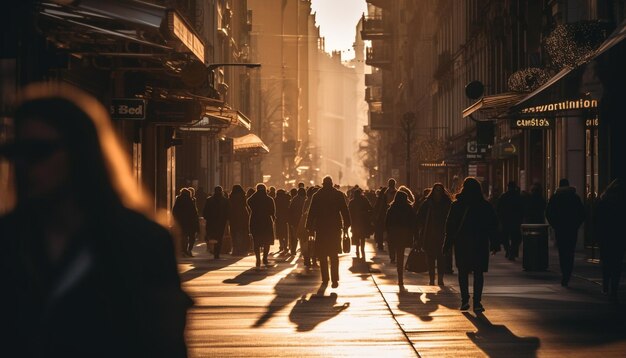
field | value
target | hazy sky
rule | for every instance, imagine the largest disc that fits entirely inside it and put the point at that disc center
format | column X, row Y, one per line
column 337, row 20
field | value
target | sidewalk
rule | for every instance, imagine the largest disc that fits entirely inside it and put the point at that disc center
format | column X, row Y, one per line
column 240, row 311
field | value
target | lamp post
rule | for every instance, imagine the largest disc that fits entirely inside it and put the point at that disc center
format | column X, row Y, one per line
column 408, row 124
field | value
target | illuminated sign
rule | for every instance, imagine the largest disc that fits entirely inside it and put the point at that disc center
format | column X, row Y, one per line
column 127, row 108
column 180, row 29
column 562, row 106
column 532, row 123
column 592, row 122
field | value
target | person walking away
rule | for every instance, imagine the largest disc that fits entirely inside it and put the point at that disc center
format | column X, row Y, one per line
column 238, row 220
column 431, row 230
column 360, row 214
column 201, row 197
column 327, row 216
column 86, row 271
column 215, row 213
column 282, row 220
column 378, row 219
column 296, row 206
column 470, row 230
column 400, row 226
column 303, row 234
column 535, row 206
column 510, row 212
column 186, row 216
column 609, row 221
column 565, row 213
column 262, row 216
column 390, row 194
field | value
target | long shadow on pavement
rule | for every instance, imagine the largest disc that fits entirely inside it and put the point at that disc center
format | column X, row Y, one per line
column 309, row 312
column 298, row 283
column 202, row 265
column 498, row 340
column 258, row 274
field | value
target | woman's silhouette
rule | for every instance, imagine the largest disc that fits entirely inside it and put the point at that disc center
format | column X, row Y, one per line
column 86, row 271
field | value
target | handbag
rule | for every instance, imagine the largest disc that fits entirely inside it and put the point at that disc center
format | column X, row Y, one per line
column 346, row 243
column 417, row 261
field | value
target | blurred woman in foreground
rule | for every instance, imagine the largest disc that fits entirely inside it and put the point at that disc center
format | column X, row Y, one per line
column 86, row 272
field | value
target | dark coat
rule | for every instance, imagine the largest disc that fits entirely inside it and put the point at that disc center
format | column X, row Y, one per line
column 361, row 216
column 470, row 229
column 328, row 214
column 216, row 210
column 400, row 225
column 296, row 207
column 185, row 214
column 116, row 302
column 262, row 215
column 510, row 209
column 609, row 219
column 565, row 211
column 431, row 225
column 282, row 202
column 239, row 216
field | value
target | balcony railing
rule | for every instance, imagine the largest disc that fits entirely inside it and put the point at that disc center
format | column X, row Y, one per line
column 374, row 28
column 373, row 94
column 378, row 56
column 377, row 121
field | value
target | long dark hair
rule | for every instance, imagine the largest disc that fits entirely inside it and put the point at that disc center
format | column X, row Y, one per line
column 445, row 194
column 471, row 191
column 100, row 172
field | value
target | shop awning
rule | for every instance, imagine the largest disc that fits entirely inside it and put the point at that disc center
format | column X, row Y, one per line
column 563, row 92
column 494, row 105
column 235, row 117
column 249, row 142
column 97, row 26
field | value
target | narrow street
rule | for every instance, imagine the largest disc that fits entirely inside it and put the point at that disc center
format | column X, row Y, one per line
column 281, row 311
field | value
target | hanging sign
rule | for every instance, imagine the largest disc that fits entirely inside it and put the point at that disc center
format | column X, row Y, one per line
column 128, row 108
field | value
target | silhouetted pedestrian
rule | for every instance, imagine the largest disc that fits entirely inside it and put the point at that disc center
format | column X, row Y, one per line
column 238, row 220
column 378, row 219
column 250, row 192
column 400, row 226
column 272, row 192
column 360, row 214
column 306, row 247
column 431, row 220
column 390, row 194
column 470, row 229
column 215, row 213
column 510, row 211
column 535, row 212
column 186, row 216
column 327, row 216
column 85, row 271
column 262, row 216
column 201, row 197
column 565, row 213
column 296, row 206
column 282, row 202
column 609, row 223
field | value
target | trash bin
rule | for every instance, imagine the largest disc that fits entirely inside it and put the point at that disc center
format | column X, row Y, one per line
column 535, row 240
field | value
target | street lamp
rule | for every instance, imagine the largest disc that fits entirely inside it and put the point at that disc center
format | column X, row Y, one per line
column 408, row 123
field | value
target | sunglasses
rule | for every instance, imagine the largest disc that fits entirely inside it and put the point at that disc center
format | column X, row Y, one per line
column 31, row 151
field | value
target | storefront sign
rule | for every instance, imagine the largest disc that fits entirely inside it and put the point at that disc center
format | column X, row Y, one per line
column 180, row 29
column 562, row 106
column 532, row 123
column 591, row 123
column 128, row 108
column 475, row 151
